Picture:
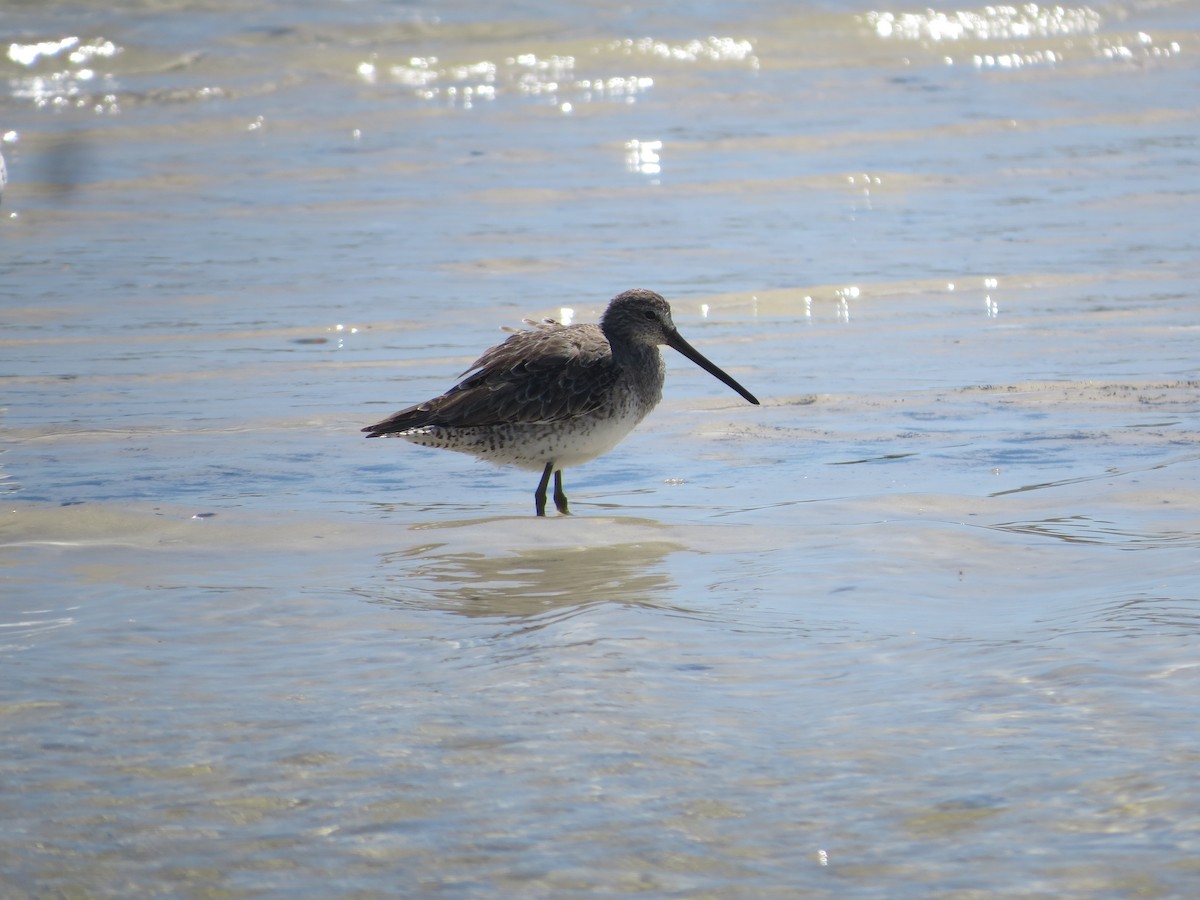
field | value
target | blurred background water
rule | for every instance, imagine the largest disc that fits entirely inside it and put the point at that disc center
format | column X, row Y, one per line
column 926, row 623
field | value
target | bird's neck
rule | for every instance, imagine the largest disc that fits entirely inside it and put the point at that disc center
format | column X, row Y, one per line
column 628, row 355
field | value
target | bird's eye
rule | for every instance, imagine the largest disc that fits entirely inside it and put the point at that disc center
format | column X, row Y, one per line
column 649, row 314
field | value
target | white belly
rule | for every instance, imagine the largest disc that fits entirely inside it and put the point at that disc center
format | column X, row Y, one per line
column 566, row 443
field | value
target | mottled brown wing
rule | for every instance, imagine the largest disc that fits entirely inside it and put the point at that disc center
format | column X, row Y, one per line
column 542, row 376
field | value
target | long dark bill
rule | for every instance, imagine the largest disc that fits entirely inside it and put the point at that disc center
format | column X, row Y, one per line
column 675, row 341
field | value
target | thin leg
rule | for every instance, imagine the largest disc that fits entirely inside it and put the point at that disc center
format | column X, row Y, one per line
column 539, row 496
column 560, row 498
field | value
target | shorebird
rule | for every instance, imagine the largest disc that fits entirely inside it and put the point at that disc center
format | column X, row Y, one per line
column 556, row 395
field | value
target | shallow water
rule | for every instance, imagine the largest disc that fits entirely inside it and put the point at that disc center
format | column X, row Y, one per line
column 924, row 624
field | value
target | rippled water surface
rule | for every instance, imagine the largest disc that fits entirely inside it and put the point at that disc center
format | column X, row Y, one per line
column 925, row 623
